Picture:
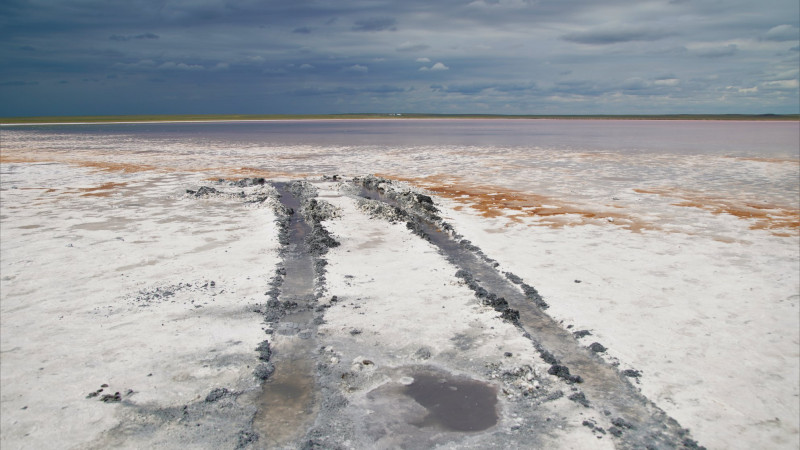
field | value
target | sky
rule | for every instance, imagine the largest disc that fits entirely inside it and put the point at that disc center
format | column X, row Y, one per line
column 92, row 57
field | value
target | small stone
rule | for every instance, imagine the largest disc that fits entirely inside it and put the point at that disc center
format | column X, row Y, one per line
column 597, row 347
column 508, row 354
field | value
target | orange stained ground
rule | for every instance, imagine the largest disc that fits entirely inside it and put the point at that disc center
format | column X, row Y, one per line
column 780, row 220
column 516, row 205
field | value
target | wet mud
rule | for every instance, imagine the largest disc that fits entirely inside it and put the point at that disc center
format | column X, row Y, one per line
column 287, row 404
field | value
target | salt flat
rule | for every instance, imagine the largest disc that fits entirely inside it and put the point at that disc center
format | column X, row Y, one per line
column 112, row 274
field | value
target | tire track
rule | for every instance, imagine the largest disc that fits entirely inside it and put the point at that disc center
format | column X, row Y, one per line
column 638, row 422
column 289, row 403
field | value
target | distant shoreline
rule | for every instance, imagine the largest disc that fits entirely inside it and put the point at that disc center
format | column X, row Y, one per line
column 65, row 120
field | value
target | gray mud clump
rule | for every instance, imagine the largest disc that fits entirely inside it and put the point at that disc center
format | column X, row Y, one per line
column 563, row 372
column 597, row 347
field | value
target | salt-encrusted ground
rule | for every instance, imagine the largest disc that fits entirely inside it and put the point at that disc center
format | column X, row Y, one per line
column 712, row 325
column 134, row 288
column 112, row 275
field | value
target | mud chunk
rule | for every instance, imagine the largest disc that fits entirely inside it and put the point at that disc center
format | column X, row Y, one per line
column 204, row 191
column 423, row 353
column 424, row 199
column 511, row 315
column 533, row 295
column 264, row 351
column 548, row 357
column 615, row 431
column 692, row 444
column 597, row 347
column 581, row 333
column 109, row 398
column 264, row 371
column 632, row 373
column 216, row 394
column 621, row 423
column 579, row 398
column 513, row 278
column 563, row 372
column 355, row 332
column 245, row 438
column 508, row 354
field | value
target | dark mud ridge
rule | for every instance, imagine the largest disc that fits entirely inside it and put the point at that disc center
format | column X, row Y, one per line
column 636, row 421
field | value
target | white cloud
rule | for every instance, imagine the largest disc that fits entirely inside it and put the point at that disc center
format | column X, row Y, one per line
column 436, row 67
column 357, row 68
column 306, row 67
column 667, row 82
column 423, row 60
column 782, row 84
column 171, row 65
column 783, row 33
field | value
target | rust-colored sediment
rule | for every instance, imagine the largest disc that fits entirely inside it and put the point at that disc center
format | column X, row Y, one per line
column 516, row 205
column 767, row 160
column 48, row 157
column 233, row 173
column 237, row 173
column 782, row 221
column 104, row 190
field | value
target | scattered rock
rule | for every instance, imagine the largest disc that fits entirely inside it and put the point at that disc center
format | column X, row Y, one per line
column 580, row 398
column 581, row 333
column 563, row 372
column 109, row 398
column 632, row 373
column 621, row 423
column 597, row 347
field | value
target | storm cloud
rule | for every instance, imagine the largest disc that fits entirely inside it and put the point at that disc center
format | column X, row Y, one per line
column 449, row 56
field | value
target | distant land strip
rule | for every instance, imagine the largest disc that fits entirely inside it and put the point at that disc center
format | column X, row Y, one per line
column 255, row 117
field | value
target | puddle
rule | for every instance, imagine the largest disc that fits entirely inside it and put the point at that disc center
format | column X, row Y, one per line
column 454, row 403
column 426, row 406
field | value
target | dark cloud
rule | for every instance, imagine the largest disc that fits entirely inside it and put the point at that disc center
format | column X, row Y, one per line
column 19, row 83
column 605, row 36
column 322, row 56
column 319, row 91
column 121, row 38
column 411, row 47
column 484, row 87
column 375, row 24
column 716, row 51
